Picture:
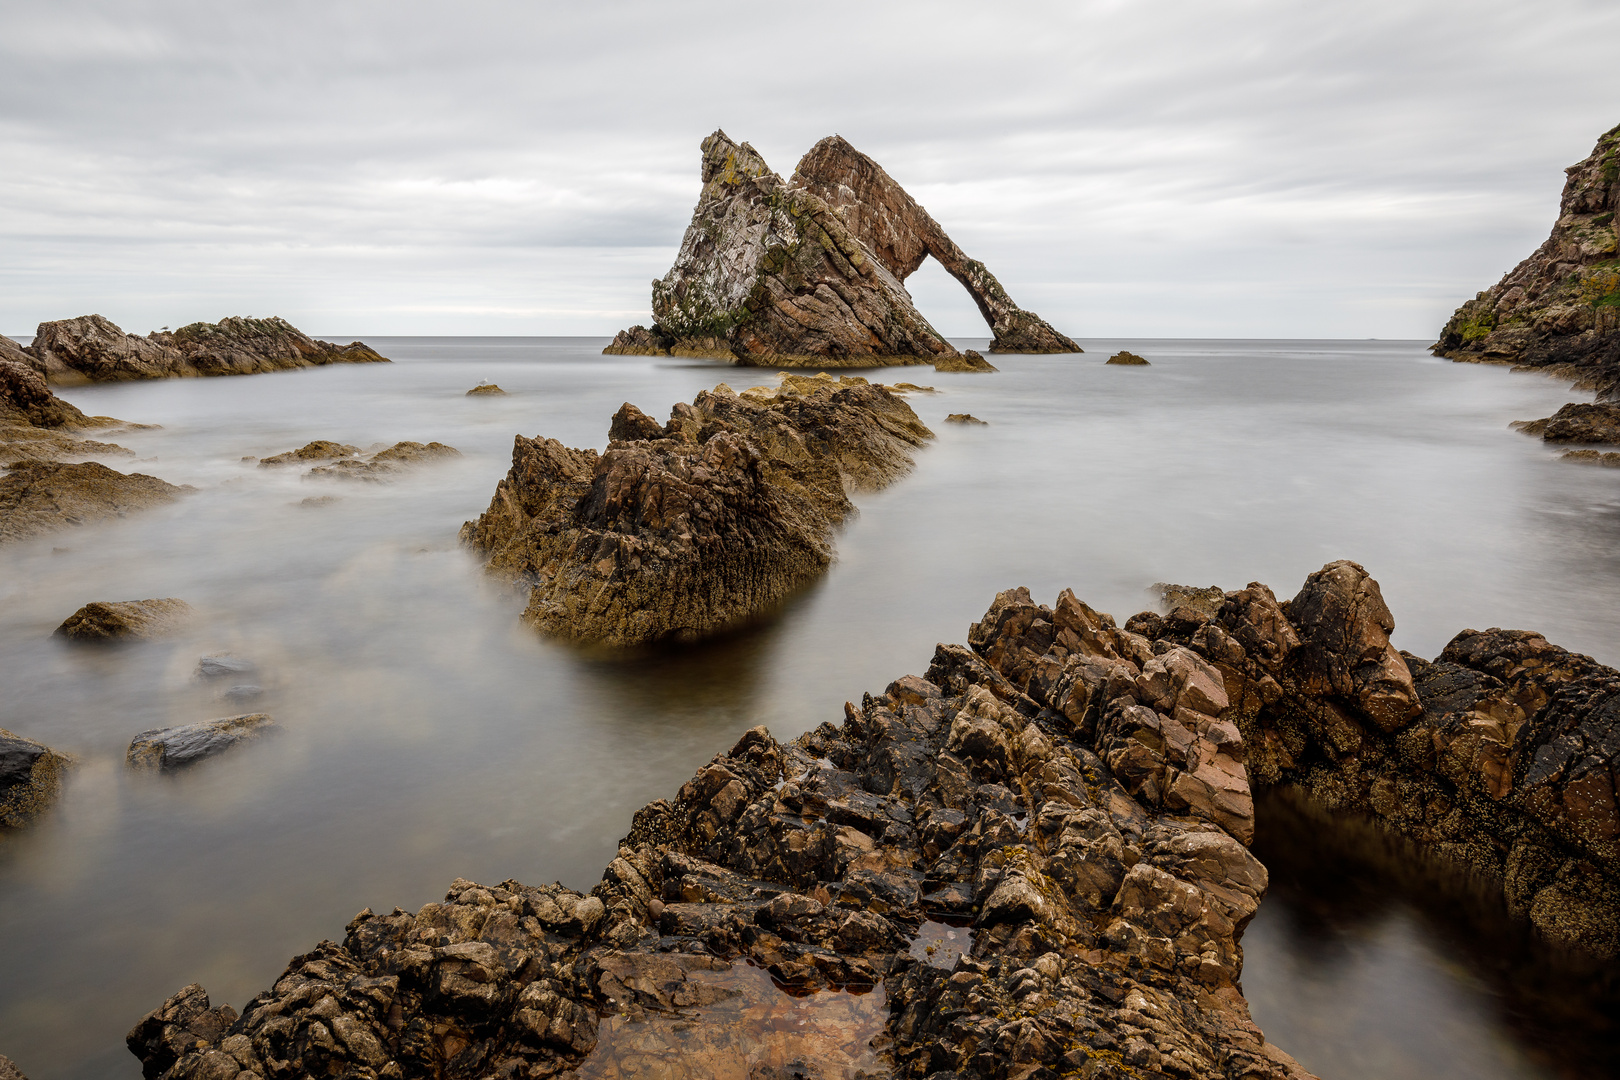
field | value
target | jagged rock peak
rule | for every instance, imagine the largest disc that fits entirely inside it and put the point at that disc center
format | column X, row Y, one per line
column 807, row 272
column 901, row 234
column 1559, row 308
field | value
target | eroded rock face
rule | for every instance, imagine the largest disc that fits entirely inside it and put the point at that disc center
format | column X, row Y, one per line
column 901, row 234
column 91, row 348
column 30, row 778
column 809, row 271
column 1559, row 309
column 1097, row 931
column 103, row 620
column 38, row 497
column 682, row 529
column 174, row 748
column 35, row 424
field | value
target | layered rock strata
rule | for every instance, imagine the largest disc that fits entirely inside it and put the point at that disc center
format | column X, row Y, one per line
column 103, row 620
column 36, row 425
column 682, row 529
column 900, row 233
column 809, row 271
column 39, row 497
column 30, row 778
column 1559, row 309
column 92, row 349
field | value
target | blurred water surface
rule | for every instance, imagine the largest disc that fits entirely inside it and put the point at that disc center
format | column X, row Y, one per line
column 427, row 734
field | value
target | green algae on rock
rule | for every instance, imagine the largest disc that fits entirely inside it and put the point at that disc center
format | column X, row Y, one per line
column 680, row 530
column 798, row 273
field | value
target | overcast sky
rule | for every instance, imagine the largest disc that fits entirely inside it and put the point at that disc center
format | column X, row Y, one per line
column 1270, row 168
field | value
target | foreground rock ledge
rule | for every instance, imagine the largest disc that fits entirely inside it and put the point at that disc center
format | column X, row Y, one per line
column 1072, row 792
column 682, row 529
column 40, row 497
column 808, row 272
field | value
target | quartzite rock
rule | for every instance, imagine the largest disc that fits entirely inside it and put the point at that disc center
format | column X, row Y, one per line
column 1577, row 423
column 680, row 530
column 91, row 348
column 110, row 620
column 37, row 497
column 30, row 778
column 173, row 748
column 808, row 272
column 901, row 234
column 1560, row 308
column 1103, row 942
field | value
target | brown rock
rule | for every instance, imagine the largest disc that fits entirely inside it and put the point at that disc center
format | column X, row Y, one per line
column 106, row 621
column 486, row 388
column 319, row 450
column 91, row 348
column 965, row 361
column 1344, row 651
column 1128, row 358
column 30, row 778
column 680, row 531
column 385, row 464
column 1577, row 423
column 9, row 1070
column 1592, row 457
column 38, row 497
column 964, row 418
column 639, row 341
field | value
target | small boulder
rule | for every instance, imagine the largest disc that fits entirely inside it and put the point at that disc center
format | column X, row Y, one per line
column 243, row 692
column 169, row 749
column 123, row 619
column 1593, row 457
column 1129, row 358
column 965, row 361
column 630, row 424
column 385, row 463
column 965, row 418
column 485, row 388
column 30, row 778
column 213, row 667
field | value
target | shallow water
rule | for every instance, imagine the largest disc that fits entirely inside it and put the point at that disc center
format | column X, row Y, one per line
column 429, row 735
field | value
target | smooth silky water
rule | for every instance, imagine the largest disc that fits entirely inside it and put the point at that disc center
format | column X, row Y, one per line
column 428, row 734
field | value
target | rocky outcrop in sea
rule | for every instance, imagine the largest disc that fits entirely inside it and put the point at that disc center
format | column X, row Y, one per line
column 808, row 272
column 682, row 529
column 36, row 425
column 92, row 349
column 39, row 497
column 122, row 620
column 30, row 778
column 1559, row 309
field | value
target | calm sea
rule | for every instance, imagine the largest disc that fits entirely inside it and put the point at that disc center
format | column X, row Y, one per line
column 427, row 734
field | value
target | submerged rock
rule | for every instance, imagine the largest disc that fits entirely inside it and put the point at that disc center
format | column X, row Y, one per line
column 1559, row 309
column 214, row 667
column 92, row 349
column 173, row 748
column 1577, row 423
column 1592, row 457
column 965, row 418
column 964, row 361
column 385, row 464
column 486, row 388
column 1128, row 358
column 680, row 530
column 30, row 778
column 38, row 497
column 111, row 620
column 319, row 450
column 808, row 272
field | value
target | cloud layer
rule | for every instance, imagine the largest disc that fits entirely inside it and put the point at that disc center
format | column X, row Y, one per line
column 1260, row 168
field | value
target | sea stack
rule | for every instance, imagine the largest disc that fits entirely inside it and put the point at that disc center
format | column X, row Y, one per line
column 808, row 272
column 1559, row 309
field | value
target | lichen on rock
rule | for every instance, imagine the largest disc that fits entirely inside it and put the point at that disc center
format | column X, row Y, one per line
column 683, row 529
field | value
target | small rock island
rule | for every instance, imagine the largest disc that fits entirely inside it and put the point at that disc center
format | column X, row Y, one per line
column 808, row 272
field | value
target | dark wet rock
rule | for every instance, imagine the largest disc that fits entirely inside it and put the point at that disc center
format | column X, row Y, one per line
column 964, row 361
column 1104, row 927
column 39, row 497
column 319, row 450
column 122, row 619
column 30, row 778
column 1128, row 358
column 215, row 667
column 486, row 388
column 807, row 272
column 8, row 1068
column 92, row 349
column 676, row 532
column 173, row 748
column 1558, row 310
column 387, row 464
column 901, row 234
column 964, row 418
column 1577, row 423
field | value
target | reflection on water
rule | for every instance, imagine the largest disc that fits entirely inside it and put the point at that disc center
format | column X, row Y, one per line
column 427, row 734
column 1368, row 962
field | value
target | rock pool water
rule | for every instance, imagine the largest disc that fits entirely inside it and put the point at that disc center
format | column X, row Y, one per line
column 426, row 734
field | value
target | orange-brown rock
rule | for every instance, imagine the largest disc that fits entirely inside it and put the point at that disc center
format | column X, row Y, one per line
column 37, row 497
